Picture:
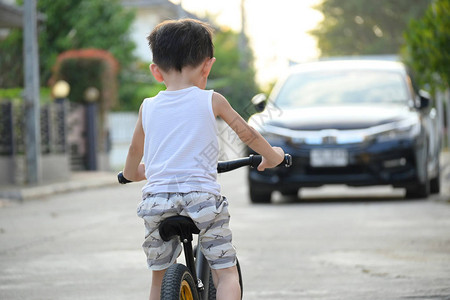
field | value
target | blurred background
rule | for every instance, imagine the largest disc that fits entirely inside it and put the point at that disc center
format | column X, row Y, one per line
column 73, row 74
column 88, row 62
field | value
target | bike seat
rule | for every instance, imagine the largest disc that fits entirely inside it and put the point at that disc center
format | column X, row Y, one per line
column 182, row 226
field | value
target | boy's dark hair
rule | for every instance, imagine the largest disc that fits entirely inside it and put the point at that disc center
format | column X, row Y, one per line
column 181, row 43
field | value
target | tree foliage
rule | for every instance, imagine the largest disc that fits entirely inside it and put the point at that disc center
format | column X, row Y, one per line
column 365, row 27
column 87, row 68
column 75, row 24
column 233, row 74
column 427, row 46
column 229, row 76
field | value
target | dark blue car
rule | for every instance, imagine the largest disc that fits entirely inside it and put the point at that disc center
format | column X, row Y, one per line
column 353, row 122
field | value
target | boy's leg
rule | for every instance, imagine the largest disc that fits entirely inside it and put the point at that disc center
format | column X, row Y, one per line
column 226, row 282
column 210, row 213
column 155, row 290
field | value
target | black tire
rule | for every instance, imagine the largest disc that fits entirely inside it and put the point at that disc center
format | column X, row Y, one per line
column 178, row 284
column 419, row 190
column 290, row 195
column 259, row 196
column 435, row 184
column 212, row 288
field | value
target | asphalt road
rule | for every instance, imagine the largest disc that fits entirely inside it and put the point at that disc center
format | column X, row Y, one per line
column 337, row 244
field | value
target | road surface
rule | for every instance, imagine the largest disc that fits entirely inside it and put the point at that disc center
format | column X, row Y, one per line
column 338, row 244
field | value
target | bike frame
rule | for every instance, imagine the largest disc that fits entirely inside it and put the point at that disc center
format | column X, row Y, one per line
column 202, row 269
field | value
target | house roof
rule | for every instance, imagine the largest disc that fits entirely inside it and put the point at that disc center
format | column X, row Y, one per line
column 148, row 3
column 159, row 3
column 11, row 16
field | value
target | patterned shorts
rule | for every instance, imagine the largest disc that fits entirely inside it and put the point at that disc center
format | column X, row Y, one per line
column 210, row 214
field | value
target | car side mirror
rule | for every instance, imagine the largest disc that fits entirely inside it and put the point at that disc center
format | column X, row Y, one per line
column 259, row 101
column 424, row 99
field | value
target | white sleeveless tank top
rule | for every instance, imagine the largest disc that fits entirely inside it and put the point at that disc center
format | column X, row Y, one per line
column 181, row 146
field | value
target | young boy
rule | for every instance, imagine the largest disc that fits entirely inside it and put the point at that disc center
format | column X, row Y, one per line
column 174, row 131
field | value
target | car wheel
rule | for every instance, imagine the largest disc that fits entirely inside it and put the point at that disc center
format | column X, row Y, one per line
column 418, row 190
column 259, row 196
column 435, row 184
column 291, row 195
column 292, row 192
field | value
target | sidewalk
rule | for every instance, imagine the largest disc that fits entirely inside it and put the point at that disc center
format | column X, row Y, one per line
column 445, row 177
column 78, row 181
column 88, row 180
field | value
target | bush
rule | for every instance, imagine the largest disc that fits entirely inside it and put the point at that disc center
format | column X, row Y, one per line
column 132, row 94
column 88, row 68
column 15, row 95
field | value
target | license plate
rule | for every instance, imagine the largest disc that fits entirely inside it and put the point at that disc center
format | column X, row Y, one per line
column 329, row 157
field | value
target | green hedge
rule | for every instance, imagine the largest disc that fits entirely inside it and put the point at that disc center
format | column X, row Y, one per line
column 16, row 95
column 131, row 94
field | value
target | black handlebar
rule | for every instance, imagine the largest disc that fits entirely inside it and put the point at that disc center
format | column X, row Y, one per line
column 253, row 161
column 225, row 166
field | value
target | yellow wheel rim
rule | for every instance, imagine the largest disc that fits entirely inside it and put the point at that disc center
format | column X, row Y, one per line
column 185, row 291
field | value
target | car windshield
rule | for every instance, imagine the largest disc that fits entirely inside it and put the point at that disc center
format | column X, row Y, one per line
column 342, row 88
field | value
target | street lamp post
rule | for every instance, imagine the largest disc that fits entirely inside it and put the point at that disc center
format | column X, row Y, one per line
column 31, row 95
column 60, row 91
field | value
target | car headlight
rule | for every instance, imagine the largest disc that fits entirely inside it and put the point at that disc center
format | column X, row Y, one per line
column 274, row 139
column 404, row 129
column 274, row 135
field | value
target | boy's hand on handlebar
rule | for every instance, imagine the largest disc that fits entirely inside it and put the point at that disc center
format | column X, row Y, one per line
column 122, row 179
column 265, row 163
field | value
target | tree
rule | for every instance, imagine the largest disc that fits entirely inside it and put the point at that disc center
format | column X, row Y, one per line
column 230, row 76
column 427, row 44
column 365, row 27
column 75, row 24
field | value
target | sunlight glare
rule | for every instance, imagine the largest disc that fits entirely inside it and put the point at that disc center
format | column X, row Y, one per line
column 278, row 31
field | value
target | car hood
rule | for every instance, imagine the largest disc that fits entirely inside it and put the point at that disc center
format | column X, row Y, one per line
column 332, row 117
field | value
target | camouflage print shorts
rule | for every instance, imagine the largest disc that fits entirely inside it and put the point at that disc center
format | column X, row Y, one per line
column 210, row 214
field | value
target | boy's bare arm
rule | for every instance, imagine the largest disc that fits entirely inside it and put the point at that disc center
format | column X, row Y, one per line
column 134, row 170
column 272, row 156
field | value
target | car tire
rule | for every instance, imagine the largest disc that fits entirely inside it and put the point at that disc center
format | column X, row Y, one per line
column 418, row 190
column 290, row 195
column 435, row 184
column 259, row 196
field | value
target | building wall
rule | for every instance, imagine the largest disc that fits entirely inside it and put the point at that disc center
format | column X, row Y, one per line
column 146, row 19
column 55, row 167
column 150, row 13
column 120, row 137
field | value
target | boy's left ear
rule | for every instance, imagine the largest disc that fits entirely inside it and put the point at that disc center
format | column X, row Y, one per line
column 208, row 66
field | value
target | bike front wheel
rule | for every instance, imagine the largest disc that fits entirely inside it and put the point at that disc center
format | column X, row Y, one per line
column 178, row 284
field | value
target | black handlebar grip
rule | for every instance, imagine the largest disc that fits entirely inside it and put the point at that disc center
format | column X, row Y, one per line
column 255, row 160
column 122, row 179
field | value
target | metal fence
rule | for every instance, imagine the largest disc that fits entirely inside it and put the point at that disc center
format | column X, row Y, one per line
column 53, row 128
